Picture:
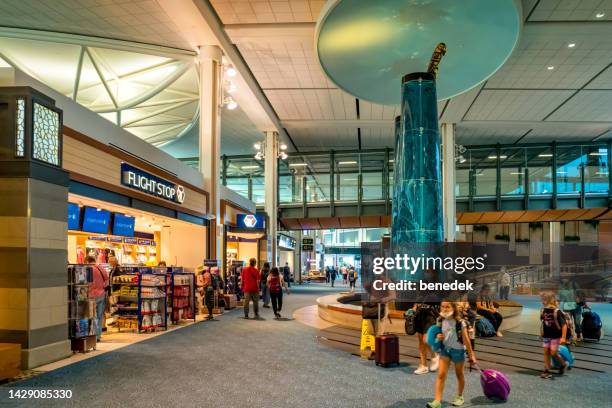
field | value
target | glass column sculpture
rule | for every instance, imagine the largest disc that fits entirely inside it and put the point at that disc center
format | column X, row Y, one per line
column 417, row 191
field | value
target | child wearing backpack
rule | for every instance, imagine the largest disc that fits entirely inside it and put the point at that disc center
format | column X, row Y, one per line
column 553, row 332
column 455, row 340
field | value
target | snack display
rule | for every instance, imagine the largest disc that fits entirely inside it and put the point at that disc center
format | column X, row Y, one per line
column 139, row 299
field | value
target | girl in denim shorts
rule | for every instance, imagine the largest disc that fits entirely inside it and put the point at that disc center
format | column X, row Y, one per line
column 455, row 340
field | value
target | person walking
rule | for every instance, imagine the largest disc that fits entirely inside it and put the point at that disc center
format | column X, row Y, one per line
column 352, row 277
column 332, row 276
column 250, row 286
column 455, row 345
column 287, row 274
column 504, row 284
column 327, row 274
column 344, row 272
column 209, row 293
column 97, row 291
column 275, row 282
column 265, row 292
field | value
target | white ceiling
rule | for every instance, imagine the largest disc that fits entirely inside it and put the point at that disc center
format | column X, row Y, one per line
column 524, row 101
column 133, row 20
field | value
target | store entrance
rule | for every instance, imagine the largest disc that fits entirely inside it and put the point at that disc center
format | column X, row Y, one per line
column 242, row 246
column 135, row 238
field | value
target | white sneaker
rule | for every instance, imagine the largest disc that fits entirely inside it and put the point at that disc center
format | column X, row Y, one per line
column 421, row 370
column 435, row 363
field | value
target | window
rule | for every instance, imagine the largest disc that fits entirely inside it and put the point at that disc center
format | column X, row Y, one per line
column 20, row 130
column 46, row 135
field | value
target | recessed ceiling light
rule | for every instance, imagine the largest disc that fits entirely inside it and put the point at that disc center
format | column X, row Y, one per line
column 550, row 67
column 347, row 162
column 249, row 167
column 545, row 155
column 571, row 45
column 600, row 15
column 231, row 71
column 297, row 164
column 495, row 157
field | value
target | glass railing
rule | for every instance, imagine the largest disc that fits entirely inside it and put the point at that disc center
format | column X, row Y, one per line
column 482, row 172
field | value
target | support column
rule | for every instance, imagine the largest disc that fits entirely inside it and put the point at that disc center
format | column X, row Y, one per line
column 555, row 249
column 210, row 139
column 448, row 180
column 271, row 196
column 297, row 259
column 33, row 240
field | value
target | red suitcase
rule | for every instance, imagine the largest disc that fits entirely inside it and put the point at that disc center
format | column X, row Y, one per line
column 386, row 350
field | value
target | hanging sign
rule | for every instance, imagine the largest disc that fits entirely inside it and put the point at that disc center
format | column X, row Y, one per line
column 148, row 183
column 307, row 244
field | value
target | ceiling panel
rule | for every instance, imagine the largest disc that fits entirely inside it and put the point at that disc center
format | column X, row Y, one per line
column 566, row 132
column 324, row 138
column 312, row 104
column 588, row 105
column 603, row 80
column 375, row 138
column 517, row 105
column 283, row 63
column 138, row 20
column 467, row 134
column 571, row 10
column 274, row 11
column 528, row 66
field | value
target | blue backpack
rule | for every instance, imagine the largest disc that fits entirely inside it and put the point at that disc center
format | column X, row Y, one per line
column 485, row 328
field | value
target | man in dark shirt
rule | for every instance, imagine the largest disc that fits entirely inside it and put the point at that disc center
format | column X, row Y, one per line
column 287, row 274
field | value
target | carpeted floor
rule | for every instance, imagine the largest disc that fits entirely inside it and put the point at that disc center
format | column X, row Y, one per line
column 245, row 363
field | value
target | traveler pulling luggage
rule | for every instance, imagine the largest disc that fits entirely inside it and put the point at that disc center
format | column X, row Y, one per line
column 386, row 347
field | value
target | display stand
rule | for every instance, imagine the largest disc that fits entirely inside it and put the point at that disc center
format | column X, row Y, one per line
column 152, row 302
column 81, row 309
column 182, row 296
column 140, row 299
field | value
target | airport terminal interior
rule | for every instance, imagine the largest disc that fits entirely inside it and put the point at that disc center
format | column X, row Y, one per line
column 305, row 203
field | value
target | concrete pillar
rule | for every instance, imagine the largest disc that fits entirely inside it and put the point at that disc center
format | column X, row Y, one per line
column 447, row 131
column 555, row 249
column 271, row 192
column 210, row 139
column 297, row 259
column 33, row 225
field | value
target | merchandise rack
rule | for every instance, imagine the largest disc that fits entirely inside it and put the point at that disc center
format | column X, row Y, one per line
column 148, row 291
column 81, row 309
column 186, row 299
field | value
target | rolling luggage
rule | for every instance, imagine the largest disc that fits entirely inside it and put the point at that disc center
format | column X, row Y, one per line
column 386, row 350
column 591, row 325
column 386, row 347
column 495, row 385
column 566, row 354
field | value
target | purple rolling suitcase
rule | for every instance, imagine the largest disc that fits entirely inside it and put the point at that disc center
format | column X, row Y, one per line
column 495, row 385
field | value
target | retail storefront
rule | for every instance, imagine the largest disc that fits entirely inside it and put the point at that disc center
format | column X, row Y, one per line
column 244, row 235
column 123, row 206
column 66, row 195
column 286, row 249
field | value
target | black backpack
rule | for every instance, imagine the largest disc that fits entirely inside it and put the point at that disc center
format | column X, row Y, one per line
column 214, row 279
